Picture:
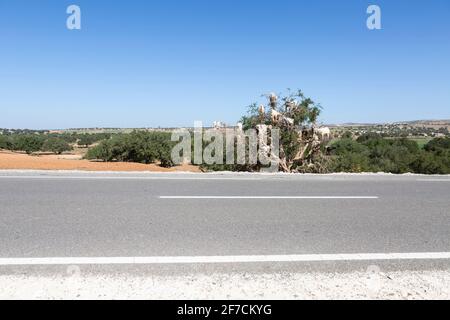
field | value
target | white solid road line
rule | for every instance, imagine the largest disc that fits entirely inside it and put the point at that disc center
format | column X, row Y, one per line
column 434, row 180
column 268, row 197
column 124, row 178
column 223, row 259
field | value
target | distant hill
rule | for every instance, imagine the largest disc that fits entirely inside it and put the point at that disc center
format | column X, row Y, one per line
column 425, row 123
column 436, row 124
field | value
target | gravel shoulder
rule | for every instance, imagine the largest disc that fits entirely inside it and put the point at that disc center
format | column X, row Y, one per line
column 372, row 284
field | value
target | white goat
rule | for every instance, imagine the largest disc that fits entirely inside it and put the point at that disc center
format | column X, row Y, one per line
column 324, row 133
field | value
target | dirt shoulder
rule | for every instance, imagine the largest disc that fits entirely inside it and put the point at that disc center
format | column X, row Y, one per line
column 19, row 161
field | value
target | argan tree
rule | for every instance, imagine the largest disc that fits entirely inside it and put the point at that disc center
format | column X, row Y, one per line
column 28, row 142
column 56, row 145
column 295, row 116
column 86, row 140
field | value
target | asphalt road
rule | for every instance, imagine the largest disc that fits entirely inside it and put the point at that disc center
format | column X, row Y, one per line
column 46, row 215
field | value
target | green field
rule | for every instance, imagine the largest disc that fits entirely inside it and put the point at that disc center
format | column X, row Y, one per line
column 421, row 141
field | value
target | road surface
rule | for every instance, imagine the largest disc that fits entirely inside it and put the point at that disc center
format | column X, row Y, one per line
column 114, row 220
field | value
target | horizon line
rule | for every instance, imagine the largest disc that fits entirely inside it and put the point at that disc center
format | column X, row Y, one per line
column 227, row 126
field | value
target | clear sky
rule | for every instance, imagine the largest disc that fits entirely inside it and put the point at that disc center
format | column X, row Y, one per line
column 168, row 63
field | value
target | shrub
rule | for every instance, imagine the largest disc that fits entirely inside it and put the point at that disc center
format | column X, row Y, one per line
column 428, row 163
column 344, row 146
column 347, row 135
column 56, row 145
column 86, row 140
column 101, row 152
column 138, row 146
column 438, row 144
column 3, row 142
column 29, row 143
column 349, row 156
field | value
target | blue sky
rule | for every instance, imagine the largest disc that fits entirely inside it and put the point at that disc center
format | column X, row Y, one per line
column 169, row 63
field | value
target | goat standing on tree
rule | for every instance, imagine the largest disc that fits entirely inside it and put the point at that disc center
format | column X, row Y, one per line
column 300, row 142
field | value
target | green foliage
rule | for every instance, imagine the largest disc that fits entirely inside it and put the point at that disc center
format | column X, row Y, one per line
column 351, row 156
column 289, row 141
column 252, row 118
column 3, row 141
column 56, row 145
column 347, row 135
column 429, row 163
column 138, row 146
column 438, row 145
column 368, row 136
column 86, row 140
column 101, row 152
column 26, row 142
column 370, row 153
column 303, row 110
column 344, row 146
